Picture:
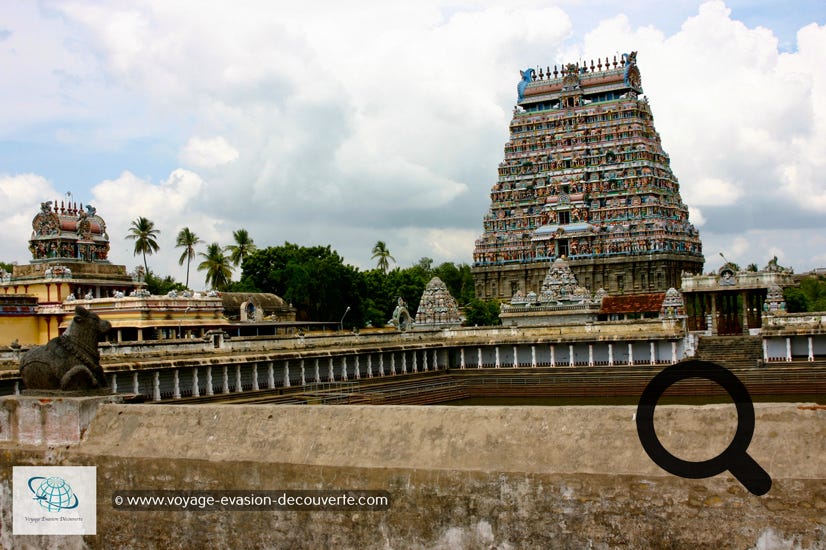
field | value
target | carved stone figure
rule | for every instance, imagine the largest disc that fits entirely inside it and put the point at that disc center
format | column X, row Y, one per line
column 71, row 361
column 527, row 77
column 401, row 317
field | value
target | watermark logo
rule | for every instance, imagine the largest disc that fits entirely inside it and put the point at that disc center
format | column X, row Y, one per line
column 54, row 500
column 53, row 493
column 734, row 458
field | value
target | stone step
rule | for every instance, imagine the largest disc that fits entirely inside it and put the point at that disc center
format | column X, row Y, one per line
column 731, row 351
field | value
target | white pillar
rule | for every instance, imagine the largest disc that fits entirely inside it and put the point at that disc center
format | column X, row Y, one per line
column 196, row 391
column 270, row 375
column 571, row 362
column 357, row 368
column 344, row 368
column 479, row 358
column 225, row 387
column 435, row 360
column 176, row 387
column 788, row 349
column 424, row 360
column 674, row 352
column 496, row 364
column 515, row 357
column 630, row 353
column 653, row 353
column 404, row 363
column 553, row 355
column 393, row 363
column 765, row 350
column 209, row 390
column 610, row 354
column 156, row 386
column 238, row 386
column 381, row 364
column 533, row 357
column 811, row 350
column 590, row 355
column 303, row 378
column 331, row 373
column 286, row 374
column 369, row 365
column 136, row 388
column 317, row 372
column 415, row 365
column 115, row 378
column 462, row 358
column 255, row 377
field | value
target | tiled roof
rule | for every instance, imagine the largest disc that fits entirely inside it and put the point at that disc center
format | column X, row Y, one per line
column 632, row 303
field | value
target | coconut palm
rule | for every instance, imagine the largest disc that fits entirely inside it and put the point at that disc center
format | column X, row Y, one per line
column 217, row 266
column 143, row 232
column 243, row 247
column 187, row 240
column 380, row 251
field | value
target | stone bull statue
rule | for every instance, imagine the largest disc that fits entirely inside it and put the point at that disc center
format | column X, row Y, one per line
column 70, row 362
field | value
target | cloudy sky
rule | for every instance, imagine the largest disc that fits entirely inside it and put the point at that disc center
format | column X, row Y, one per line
column 344, row 123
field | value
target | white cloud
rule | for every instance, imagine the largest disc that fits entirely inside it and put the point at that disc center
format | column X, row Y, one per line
column 171, row 204
column 208, row 152
column 20, row 197
column 374, row 120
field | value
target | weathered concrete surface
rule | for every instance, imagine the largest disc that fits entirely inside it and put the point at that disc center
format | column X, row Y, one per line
column 49, row 417
column 460, row 477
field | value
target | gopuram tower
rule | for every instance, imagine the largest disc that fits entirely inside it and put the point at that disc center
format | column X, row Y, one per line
column 585, row 177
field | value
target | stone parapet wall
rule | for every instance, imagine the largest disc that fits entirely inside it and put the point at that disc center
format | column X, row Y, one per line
column 459, row 477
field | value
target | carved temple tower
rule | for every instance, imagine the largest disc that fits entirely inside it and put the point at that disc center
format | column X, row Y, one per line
column 585, row 177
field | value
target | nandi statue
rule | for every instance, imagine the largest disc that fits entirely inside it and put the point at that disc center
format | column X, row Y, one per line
column 69, row 362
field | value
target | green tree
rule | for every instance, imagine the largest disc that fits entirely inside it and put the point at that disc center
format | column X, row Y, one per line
column 810, row 295
column 188, row 241
column 752, row 267
column 143, row 232
column 243, row 247
column 314, row 280
column 160, row 286
column 381, row 253
column 482, row 313
column 217, row 267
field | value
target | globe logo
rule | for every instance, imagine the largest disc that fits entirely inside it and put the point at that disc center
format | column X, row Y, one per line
column 52, row 493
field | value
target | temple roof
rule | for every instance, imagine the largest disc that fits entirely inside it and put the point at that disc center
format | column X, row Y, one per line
column 632, row 303
column 68, row 232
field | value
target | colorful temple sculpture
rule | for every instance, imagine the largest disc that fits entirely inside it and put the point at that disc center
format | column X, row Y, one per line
column 437, row 308
column 585, row 177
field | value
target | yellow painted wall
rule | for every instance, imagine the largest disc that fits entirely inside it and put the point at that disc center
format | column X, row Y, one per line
column 25, row 330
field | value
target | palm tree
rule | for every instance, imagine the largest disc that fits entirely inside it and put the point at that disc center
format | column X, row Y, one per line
column 187, row 240
column 243, row 247
column 217, row 267
column 143, row 232
column 380, row 251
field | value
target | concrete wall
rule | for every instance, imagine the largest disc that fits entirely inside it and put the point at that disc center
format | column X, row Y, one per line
column 459, row 477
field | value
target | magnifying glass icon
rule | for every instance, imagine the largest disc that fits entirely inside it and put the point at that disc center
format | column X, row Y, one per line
column 735, row 459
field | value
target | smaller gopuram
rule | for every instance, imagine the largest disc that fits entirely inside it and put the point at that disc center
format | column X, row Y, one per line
column 732, row 301
column 560, row 301
column 437, row 308
column 70, row 248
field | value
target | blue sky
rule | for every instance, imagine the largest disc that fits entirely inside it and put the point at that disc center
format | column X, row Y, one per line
column 348, row 123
